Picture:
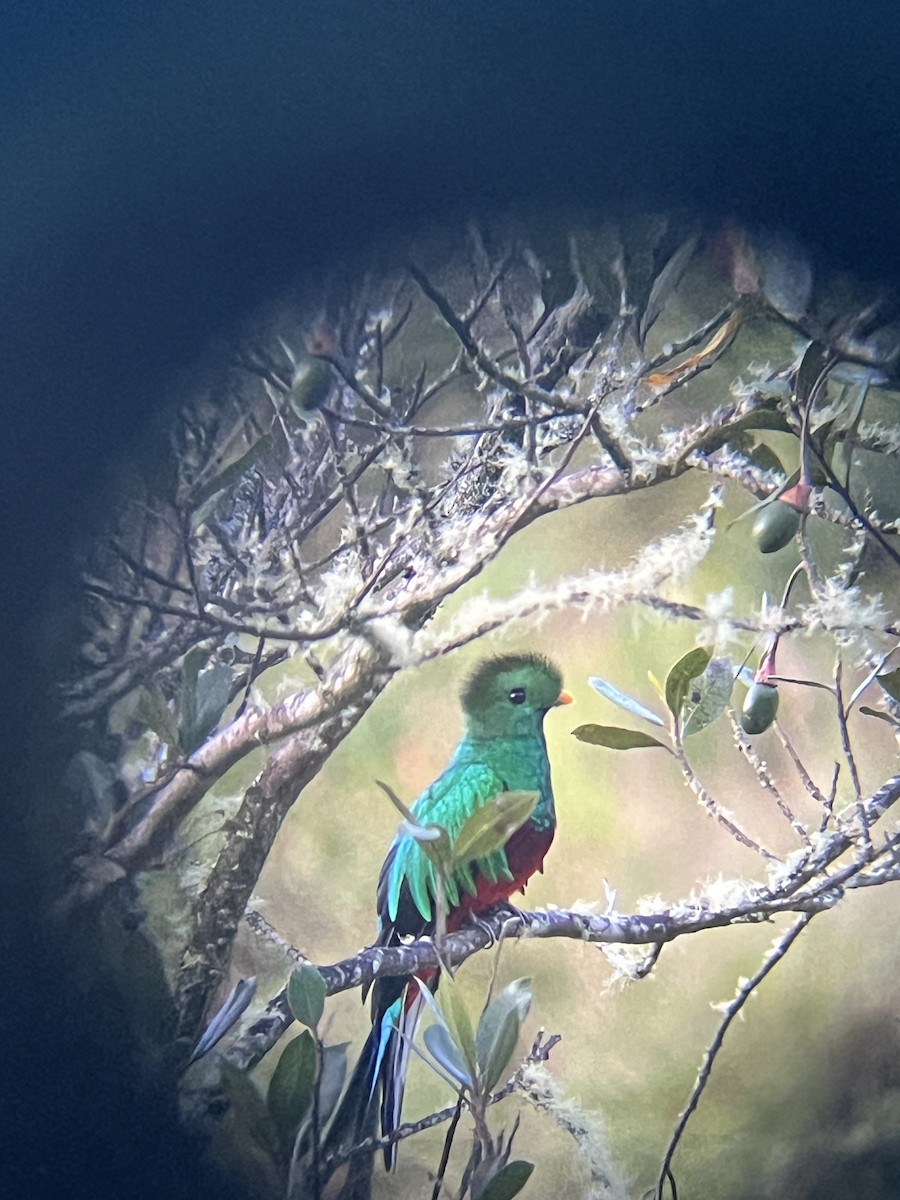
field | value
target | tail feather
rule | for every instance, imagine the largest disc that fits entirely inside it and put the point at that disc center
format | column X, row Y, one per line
column 394, row 1068
column 378, row 1082
column 353, row 1121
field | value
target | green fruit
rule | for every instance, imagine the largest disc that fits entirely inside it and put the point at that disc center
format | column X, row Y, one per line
column 775, row 526
column 311, row 385
column 760, row 707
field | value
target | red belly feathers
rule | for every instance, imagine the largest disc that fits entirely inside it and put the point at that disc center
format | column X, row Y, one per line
column 525, row 852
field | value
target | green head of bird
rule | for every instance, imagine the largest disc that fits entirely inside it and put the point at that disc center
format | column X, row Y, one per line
column 509, row 696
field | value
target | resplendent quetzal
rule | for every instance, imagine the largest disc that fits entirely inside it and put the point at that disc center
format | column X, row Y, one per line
column 502, row 750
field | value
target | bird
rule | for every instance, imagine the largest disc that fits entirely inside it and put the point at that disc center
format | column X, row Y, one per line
column 503, row 749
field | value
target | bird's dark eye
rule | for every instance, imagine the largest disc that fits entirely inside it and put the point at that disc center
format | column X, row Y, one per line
column 517, row 696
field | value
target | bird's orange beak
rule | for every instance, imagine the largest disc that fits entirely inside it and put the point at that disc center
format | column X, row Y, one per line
column 564, row 698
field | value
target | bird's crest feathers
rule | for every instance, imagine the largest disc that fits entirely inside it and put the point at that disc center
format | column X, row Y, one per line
column 492, row 676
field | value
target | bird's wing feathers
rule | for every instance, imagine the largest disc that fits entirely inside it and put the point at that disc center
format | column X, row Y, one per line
column 407, row 888
column 449, row 802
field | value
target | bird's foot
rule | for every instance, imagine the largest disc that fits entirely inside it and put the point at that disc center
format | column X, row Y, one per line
column 503, row 909
column 485, row 927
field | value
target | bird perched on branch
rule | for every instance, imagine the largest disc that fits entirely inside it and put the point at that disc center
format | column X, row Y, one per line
column 503, row 749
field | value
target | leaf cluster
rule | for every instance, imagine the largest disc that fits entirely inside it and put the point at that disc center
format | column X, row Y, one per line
column 200, row 698
column 475, row 1056
column 697, row 692
column 306, row 1084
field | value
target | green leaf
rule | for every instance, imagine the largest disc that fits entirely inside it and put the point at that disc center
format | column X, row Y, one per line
column 665, row 283
column 508, row 1181
column 434, row 841
column 891, row 683
column 875, row 712
column 498, row 1030
column 290, row 1093
column 766, row 459
column 679, row 680
column 186, row 697
column 212, row 696
column 501, row 1049
column 490, row 827
column 815, row 358
column 202, row 698
column 306, row 992
column 623, row 700
column 758, row 419
column 431, row 1004
column 153, row 712
column 446, row 1054
column 334, row 1070
column 767, row 500
column 192, row 664
column 615, row 738
column 840, row 459
column 714, row 688
column 459, row 1022
column 250, row 1109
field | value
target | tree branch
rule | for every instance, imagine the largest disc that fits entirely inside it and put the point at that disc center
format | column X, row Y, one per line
column 804, row 887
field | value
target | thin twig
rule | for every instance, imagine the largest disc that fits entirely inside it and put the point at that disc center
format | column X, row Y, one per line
column 744, row 992
column 713, row 808
column 847, row 747
column 762, row 774
column 251, row 676
column 445, row 1153
column 799, row 767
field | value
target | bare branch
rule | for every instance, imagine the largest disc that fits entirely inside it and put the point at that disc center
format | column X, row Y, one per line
column 345, row 686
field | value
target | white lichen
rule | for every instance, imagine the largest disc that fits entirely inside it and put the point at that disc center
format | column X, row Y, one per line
column 850, row 616
column 547, row 1095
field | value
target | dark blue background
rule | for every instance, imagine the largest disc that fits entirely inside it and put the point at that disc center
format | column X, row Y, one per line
column 162, row 170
